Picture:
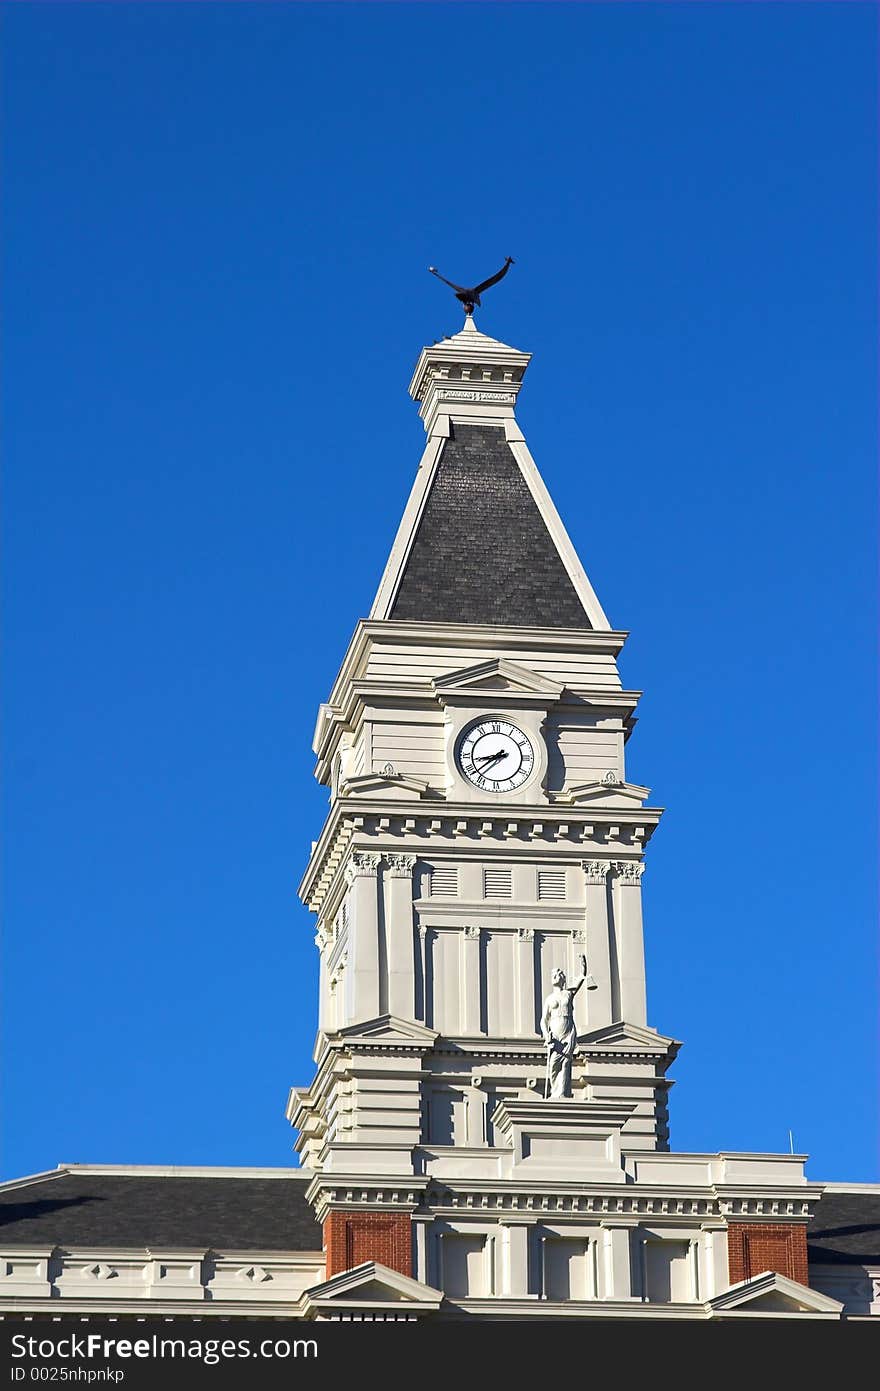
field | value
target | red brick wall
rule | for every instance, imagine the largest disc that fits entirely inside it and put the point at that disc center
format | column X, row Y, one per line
column 350, row 1238
column 753, row 1247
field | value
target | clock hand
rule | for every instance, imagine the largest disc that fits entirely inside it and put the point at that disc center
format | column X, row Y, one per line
column 491, row 758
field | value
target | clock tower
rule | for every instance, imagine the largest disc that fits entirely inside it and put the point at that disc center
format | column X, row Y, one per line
column 482, row 835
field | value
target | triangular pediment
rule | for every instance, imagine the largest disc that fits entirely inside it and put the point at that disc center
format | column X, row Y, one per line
column 771, row 1293
column 499, row 676
column 627, row 1037
column 387, row 1028
column 386, row 784
column 373, row 1284
column 606, row 793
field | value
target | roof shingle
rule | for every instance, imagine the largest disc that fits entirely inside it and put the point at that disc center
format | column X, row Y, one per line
column 176, row 1211
column 482, row 552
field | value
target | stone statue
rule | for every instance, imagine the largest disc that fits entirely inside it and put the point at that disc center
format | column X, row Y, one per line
column 559, row 1031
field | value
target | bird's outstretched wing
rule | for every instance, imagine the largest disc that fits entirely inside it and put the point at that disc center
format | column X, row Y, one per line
column 493, row 280
column 462, row 289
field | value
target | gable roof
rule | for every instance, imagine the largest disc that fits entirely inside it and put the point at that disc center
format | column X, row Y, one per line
column 82, row 1207
column 482, row 552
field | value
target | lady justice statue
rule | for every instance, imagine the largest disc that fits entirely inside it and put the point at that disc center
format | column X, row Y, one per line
column 559, row 1031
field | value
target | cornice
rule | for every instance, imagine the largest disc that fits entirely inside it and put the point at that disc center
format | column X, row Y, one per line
column 535, row 1306
column 494, row 1199
column 571, row 828
column 330, row 1192
column 478, row 635
column 150, row 1307
column 156, row 1171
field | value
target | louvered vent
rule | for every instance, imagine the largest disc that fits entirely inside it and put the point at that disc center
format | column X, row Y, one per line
column 551, row 884
column 497, row 883
column 444, row 881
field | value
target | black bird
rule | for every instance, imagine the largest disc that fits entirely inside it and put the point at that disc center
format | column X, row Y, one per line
column 471, row 297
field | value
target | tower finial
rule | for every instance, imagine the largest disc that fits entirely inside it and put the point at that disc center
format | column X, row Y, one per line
column 470, row 297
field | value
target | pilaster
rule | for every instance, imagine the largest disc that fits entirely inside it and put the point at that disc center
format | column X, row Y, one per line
column 616, row 1262
column 470, row 980
column 598, row 941
column 515, row 1257
column 629, row 940
column 323, row 939
column 362, row 974
column 525, row 980
column 399, row 935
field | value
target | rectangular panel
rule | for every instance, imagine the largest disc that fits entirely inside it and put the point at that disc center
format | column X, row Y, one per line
column 447, row 1117
column 499, row 998
column 667, row 1272
column 767, row 1252
column 569, row 1154
column 464, row 1265
column 567, row 1268
column 444, row 998
column 582, row 755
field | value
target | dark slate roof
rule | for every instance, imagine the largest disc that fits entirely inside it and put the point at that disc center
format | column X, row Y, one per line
column 482, row 552
column 152, row 1210
column 845, row 1230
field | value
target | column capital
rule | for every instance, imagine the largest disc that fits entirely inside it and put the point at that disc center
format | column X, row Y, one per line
column 596, row 870
column 340, row 967
column 629, row 871
column 473, row 932
column 400, row 865
column 361, row 864
column 525, row 934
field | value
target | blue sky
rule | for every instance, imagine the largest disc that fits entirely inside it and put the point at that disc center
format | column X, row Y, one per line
column 218, row 223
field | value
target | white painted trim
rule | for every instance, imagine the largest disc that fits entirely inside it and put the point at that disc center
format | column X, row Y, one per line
column 346, row 1283
column 41, row 1177
column 409, row 523
column 850, row 1187
column 170, row 1171
column 60, row 1309
column 558, row 534
column 740, row 1296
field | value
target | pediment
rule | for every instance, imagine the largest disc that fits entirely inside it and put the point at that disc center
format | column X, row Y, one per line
column 387, row 1028
column 772, row 1293
column 374, row 1284
column 498, row 677
column 626, row 1037
column 607, row 794
column 386, row 784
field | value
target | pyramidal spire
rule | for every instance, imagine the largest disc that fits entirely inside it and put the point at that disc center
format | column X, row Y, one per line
column 480, row 540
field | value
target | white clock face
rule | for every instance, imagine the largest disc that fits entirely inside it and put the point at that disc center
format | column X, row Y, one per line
column 496, row 756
